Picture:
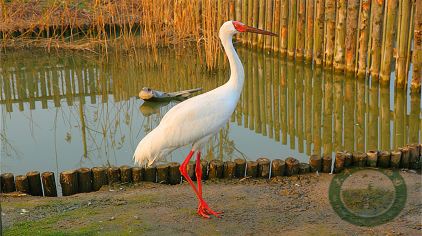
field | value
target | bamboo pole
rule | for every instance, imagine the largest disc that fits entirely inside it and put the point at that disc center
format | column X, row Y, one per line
column 349, row 125
column 276, row 98
column 300, row 29
column 385, row 117
column 309, row 32
column 308, row 108
column 268, row 24
column 414, row 120
column 372, row 133
column 317, row 106
column 284, row 26
column 376, row 37
column 338, row 112
column 255, row 13
column 363, row 37
column 318, row 48
column 327, row 128
column 360, row 116
column 402, row 42
column 276, row 25
column 399, row 114
column 283, row 99
column 261, row 23
column 339, row 51
column 291, row 78
column 417, row 49
column 330, row 24
column 244, row 11
column 299, row 105
column 292, row 27
column 351, row 34
column 250, row 20
column 388, row 40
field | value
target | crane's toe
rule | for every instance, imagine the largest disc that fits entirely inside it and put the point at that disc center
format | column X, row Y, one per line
column 205, row 211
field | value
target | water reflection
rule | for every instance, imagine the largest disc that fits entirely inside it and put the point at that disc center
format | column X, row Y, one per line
column 84, row 108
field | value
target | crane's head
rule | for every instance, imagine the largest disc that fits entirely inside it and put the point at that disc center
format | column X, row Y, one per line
column 234, row 27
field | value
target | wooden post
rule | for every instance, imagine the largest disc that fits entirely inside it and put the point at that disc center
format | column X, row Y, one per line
column 99, row 177
column 284, row 26
column 22, row 185
column 190, row 168
column 204, row 166
column 7, row 183
column 174, row 173
column 384, row 159
column 315, row 162
column 388, row 40
column 372, row 158
column 319, row 32
column 326, row 163
column 229, row 169
column 339, row 162
column 84, row 180
column 69, row 182
column 348, row 159
column 113, row 175
column 49, row 184
column 292, row 166
column 292, row 28
column 363, row 37
column 417, row 49
column 340, row 35
column 309, row 32
column 359, row 159
column 216, row 169
column 414, row 157
column 395, row 159
column 376, row 37
column 162, row 173
column 300, row 30
column 278, row 168
column 263, row 167
column 240, row 167
column 404, row 157
column 151, row 174
column 125, row 174
column 252, row 169
column 351, row 34
column 34, row 180
column 403, row 28
column 304, row 168
column 330, row 24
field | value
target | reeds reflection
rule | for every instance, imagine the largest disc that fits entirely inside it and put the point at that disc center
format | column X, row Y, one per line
column 85, row 108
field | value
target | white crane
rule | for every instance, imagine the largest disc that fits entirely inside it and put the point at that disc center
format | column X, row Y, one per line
column 197, row 119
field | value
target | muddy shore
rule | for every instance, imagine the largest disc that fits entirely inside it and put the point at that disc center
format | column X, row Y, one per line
column 289, row 205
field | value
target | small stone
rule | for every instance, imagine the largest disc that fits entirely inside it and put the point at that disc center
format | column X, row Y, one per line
column 112, row 218
column 24, row 211
column 89, row 203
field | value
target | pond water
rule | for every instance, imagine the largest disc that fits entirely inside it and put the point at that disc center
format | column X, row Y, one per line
column 67, row 110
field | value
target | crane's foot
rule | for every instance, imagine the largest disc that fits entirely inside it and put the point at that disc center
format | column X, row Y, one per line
column 205, row 211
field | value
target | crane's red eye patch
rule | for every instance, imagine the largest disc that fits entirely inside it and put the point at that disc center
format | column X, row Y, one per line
column 239, row 26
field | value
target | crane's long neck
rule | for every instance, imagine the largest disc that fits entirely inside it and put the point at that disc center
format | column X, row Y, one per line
column 237, row 74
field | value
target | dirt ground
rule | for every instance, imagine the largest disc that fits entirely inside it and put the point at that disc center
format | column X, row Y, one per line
column 297, row 205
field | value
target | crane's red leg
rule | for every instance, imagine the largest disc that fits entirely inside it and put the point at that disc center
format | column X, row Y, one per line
column 203, row 208
column 184, row 172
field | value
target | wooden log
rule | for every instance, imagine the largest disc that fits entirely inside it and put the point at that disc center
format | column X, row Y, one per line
column 384, row 159
column 414, row 158
column 174, row 173
column 22, row 185
column 351, row 34
column 69, row 182
column 162, row 173
column 417, row 50
column 292, row 166
column 263, row 167
column 330, row 24
column 137, row 174
column 376, row 37
column 284, row 26
column 304, row 168
column 327, row 161
column 7, row 183
column 49, row 184
column 315, row 162
column 252, row 169
column 300, row 29
column 99, row 177
column 403, row 28
column 229, row 169
column 363, row 37
column 291, row 43
column 359, row 159
column 309, row 32
column 388, row 40
column 340, row 34
column 84, row 180
column 372, row 160
column 113, row 175
column 190, row 168
column 319, row 32
column 405, row 155
column 204, row 166
column 339, row 162
column 395, row 159
column 151, row 174
column 240, row 167
column 34, row 180
column 216, row 169
column 278, row 168
column 125, row 174
column 348, row 159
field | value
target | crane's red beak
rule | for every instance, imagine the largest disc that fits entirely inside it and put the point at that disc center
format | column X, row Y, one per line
column 239, row 26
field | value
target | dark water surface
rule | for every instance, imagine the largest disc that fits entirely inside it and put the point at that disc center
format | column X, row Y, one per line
column 67, row 110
